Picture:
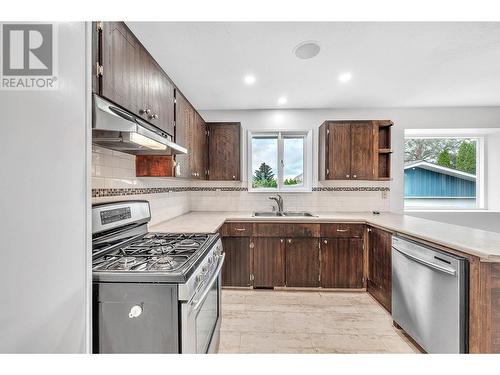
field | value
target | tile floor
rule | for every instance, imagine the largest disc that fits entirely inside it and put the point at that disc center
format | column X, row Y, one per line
column 268, row 321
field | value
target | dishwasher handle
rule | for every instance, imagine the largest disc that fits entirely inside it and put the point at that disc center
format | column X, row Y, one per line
column 437, row 267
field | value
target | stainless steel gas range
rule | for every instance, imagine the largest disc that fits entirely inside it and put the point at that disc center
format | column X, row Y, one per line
column 153, row 292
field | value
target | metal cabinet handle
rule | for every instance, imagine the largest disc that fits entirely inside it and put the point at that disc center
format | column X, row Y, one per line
column 325, row 241
column 240, row 229
column 342, row 230
column 154, row 117
column 347, row 175
column 355, row 176
column 281, row 240
column 289, row 241
column 234, row 177
column 145, row 111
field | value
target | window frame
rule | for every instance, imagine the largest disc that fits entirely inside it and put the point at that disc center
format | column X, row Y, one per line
column 281, row 135
column 480, row 168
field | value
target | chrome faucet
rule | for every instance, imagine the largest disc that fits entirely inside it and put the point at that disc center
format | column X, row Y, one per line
column 279, row 201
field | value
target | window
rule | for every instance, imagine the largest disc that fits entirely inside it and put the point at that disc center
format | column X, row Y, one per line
column 277, row 161
column 442, row 172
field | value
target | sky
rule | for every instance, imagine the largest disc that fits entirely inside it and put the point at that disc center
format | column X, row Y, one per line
column 265, row 150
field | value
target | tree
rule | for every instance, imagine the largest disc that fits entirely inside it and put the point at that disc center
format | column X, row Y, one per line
column 264, row 177
column 466, row 157
column 429, row 149
column 264, row 173
column 444, row 159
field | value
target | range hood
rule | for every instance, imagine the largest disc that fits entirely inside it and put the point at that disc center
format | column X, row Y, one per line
column 120, row 130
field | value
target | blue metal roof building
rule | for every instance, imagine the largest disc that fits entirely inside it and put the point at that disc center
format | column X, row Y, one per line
column 428, row 180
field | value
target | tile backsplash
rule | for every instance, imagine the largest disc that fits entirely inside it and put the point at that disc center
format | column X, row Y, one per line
column 113, row 178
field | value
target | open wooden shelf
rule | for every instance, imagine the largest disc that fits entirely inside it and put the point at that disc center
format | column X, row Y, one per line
column 383, row 144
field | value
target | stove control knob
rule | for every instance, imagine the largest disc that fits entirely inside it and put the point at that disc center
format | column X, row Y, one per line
column 210, row 260
column 135, row 311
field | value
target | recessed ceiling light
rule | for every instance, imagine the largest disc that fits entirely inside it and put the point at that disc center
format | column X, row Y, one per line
column 345, row 77
column 249, row 79
column 282, row 100
column 307, row 49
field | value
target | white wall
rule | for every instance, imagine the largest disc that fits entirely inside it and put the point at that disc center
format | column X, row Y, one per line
column 404, row 118
column 44, row 197
column 493, row 171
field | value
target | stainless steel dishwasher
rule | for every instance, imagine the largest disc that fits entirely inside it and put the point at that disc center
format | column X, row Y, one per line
column 430, row 296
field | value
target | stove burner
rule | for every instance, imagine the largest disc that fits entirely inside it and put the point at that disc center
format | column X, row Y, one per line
column 161, row 250
column 126, row 260
column 189, row 242
column 165, row 252
column 165, row 259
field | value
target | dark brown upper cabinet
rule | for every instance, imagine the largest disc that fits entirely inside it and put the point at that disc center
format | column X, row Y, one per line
column 184, row 119
column 199, row 154
column 190, row 132
column 224, row 151
column 348, row 150
column 129, row 76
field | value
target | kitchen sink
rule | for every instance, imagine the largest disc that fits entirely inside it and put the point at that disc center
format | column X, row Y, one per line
column 305, row 214
column 270, row 213
column 277, row 214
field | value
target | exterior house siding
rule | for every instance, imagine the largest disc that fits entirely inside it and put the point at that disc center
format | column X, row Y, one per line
column 424, row 183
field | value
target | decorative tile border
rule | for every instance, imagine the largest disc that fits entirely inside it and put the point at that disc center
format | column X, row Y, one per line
column 140, row 191
column 352, row 188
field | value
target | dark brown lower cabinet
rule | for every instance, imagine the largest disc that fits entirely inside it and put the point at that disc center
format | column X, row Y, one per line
column 268, row 262
column 302, row 262
column 236, row 268
column 342, row 262
column 379, row 283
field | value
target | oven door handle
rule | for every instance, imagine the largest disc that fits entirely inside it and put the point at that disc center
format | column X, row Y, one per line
column 197, row 302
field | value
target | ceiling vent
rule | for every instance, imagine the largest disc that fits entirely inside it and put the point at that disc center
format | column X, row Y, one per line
column 307, row 50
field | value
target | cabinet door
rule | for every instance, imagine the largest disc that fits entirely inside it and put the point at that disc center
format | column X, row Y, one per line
column 184, row 117
column 197, row 141
column 338, row 151
column 380, row 266
column 236, row 268
column 268, row 262
column 302, row 262
column 123, row 71
column 362, row 151
column 224, row 151
column 166, row 106
column 342, row 263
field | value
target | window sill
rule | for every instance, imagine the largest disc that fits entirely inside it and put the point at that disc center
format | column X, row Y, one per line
column 271, row 191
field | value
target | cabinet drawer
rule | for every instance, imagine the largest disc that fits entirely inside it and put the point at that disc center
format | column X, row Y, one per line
column 301, row 230
column 342, row 230
column 268, row 229
column 237, row 230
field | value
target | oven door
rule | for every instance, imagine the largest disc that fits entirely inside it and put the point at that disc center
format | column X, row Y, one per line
column 201, row 317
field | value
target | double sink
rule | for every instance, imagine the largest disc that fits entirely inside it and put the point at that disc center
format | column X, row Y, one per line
column 279, row 214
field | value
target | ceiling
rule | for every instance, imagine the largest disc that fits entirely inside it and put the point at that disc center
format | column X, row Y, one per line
column 392, row 64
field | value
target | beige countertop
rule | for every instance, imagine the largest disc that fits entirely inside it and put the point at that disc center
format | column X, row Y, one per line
column 483, row 244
